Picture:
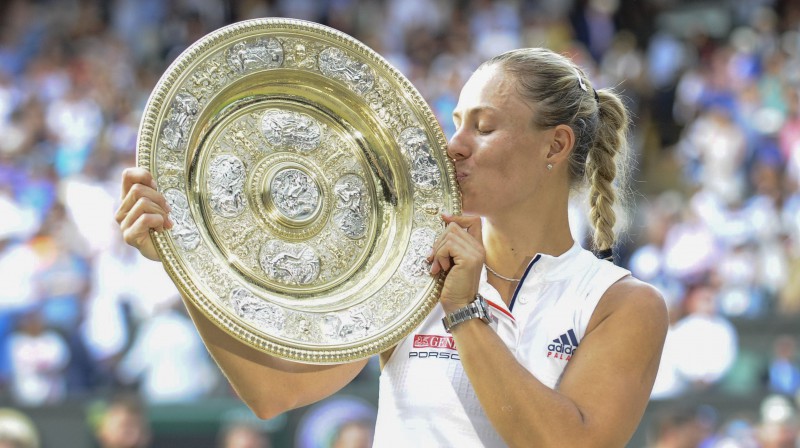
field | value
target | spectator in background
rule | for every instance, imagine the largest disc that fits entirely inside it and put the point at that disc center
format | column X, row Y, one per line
column 39, row 356
column 123, row 424
column 704, row 343
column 779, row 423
column 354, row 434
column 243, row 435
column 168, row 359
column 681, row 428
column 17, row 430
column 784, row 370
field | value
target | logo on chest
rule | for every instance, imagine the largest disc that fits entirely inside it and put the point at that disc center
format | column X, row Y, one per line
column 432, row 346
column 563, row 347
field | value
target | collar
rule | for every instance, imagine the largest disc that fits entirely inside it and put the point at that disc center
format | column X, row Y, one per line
column 542, row 268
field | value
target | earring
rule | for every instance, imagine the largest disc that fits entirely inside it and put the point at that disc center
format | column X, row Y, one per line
column 549, row 166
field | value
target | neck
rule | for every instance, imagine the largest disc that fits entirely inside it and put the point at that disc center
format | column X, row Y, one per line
column 511, row 240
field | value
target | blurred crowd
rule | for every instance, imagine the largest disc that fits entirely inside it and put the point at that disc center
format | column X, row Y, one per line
column 714, row 88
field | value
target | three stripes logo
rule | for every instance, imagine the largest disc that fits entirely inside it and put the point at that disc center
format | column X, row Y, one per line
column 563, row 347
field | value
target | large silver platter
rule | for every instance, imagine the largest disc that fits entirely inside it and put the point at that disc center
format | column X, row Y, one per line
column 306, row 177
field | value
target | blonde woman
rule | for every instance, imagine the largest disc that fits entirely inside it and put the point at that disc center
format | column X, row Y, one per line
column 537, row 341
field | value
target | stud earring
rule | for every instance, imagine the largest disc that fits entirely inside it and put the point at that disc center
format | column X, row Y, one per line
column 549, row 166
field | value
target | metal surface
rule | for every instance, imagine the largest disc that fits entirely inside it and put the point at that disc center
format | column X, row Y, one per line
column 306, row 177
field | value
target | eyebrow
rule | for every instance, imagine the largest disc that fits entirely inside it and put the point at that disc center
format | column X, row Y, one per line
column 476, row 110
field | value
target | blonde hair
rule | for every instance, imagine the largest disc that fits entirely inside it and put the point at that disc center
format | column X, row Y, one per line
column 562, row 94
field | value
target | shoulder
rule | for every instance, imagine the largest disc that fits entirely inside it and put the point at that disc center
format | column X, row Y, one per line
column 633, row 301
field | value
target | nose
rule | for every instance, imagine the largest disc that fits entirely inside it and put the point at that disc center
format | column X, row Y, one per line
column 458, row 148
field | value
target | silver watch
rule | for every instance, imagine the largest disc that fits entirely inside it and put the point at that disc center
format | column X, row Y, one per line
column 477, row 309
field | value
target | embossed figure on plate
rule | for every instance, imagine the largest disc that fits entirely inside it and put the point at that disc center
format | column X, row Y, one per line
column 263, row 53
column 256, row 311
column 292, row 130
column 346, row 326
column 352, row 201
column 333, row 62
column 415, row 266
column 292, row 264
column 294, row 194
column 184, row 108
column 415, row 145
column 226, row 177
column 185, row 230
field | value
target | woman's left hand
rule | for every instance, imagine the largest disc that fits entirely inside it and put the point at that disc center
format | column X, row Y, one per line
column 458, row 252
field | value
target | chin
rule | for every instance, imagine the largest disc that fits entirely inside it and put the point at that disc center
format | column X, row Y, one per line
column 469, row 207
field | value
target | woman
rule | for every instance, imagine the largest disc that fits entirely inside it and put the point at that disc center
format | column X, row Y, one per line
column 567, row 345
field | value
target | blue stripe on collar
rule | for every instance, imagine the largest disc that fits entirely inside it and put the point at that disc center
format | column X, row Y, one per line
column 522, row 280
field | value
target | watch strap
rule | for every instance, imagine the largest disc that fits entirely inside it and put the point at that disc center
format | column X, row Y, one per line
column 477, row 309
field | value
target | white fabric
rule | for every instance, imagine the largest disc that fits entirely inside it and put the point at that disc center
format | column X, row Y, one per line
column 426, row 399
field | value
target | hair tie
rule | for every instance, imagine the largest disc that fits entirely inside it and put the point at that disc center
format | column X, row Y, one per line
column 580, row 81
column 596, row 96
column 606, row 254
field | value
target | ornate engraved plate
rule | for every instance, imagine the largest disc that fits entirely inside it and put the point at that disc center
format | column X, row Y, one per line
column 306, row 177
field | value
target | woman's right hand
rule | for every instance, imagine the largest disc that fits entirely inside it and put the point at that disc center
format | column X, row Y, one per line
column 142, row 208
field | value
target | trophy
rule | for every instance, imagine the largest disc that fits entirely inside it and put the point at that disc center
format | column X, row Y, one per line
column 306, row 177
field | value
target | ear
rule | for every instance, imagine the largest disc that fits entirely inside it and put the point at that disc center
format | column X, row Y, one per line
column 561, row 144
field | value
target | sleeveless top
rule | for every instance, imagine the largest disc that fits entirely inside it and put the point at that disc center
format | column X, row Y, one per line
column 425, row 397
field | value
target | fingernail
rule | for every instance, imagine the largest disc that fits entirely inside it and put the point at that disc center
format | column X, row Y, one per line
column 170, row 224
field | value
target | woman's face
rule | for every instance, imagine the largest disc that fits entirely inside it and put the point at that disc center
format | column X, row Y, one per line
column 500, row 157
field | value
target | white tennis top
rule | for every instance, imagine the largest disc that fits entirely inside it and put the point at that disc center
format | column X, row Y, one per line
column 426, row 399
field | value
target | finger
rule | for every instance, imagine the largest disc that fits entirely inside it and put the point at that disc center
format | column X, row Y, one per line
column 453, row 230
column 136, row 192
column 435, row 267
column 471, row 223
column 136, row 175
column 448, row 230
column 139, row 231
column 452, row 250
column 145, row 206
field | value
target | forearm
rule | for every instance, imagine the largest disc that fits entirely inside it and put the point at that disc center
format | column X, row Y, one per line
column 269, row 385
column 522, row 410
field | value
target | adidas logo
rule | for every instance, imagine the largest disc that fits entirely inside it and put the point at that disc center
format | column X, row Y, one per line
column 563, row 347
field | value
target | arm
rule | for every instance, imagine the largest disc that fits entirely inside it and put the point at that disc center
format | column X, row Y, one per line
column 268, row 385
column 604, row 390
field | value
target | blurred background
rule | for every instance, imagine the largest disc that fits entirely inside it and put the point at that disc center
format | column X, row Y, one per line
column 96, row 349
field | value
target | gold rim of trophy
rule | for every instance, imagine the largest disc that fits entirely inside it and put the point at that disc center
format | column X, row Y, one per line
column 306, row 177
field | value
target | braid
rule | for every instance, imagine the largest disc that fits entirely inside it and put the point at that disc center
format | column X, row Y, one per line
column 601, row 167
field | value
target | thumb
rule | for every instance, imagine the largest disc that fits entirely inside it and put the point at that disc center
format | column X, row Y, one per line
column 470, row 223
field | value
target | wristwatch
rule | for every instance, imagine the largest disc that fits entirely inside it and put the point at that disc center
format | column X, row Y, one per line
column 477, row 309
